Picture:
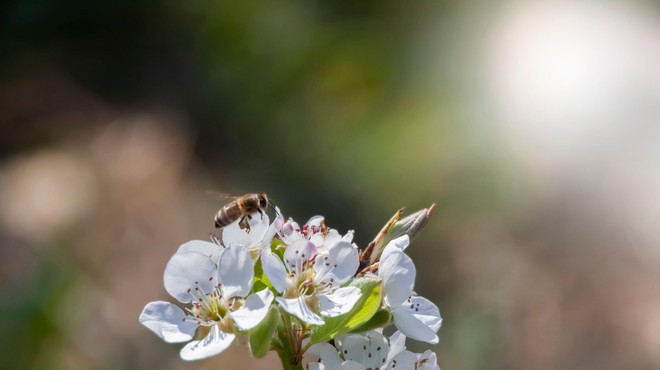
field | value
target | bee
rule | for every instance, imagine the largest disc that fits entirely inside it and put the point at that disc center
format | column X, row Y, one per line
column 241, row 208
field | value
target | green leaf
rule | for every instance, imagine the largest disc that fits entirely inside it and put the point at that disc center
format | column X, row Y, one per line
column 260, row 280
column 363, row 310
column 379, row 320
column 261, row 335
column 278, row 247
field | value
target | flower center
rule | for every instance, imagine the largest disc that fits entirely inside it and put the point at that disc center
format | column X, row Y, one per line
column 211, row 308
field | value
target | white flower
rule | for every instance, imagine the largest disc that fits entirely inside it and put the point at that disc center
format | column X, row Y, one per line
column 415, row 316
column 370, row 350
column 315, row 231
column 212, row 282
column 310, row 283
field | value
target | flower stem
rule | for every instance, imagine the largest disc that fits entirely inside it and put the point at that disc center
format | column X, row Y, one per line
column 290, row 350
column 285, row 358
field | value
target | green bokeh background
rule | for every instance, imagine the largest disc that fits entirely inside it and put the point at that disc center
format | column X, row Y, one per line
column 117, row 117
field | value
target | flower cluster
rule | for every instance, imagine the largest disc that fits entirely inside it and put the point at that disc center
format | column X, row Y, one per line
column 293, row 289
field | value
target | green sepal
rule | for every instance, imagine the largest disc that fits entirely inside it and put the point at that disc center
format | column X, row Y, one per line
column 380, row 319
column 363, row 310
column 261, row 335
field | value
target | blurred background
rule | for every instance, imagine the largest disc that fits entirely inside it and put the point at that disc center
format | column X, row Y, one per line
column 533, row 125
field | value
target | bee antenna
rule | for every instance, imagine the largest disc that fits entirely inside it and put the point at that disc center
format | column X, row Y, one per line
column 270, row 204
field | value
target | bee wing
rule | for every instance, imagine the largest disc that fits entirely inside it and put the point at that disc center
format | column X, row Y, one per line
column 219, row 195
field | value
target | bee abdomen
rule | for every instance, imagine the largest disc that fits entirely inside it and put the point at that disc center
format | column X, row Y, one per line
column 227, row 215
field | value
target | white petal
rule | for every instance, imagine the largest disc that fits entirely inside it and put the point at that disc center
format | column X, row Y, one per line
column 274, row 270
column 316, row 238
column 412, row 326
column 348, row 237
column 338, row 265
column 426, row 312
column 327, row 354
column 403, row 360
column 188, row 275
column 369, row 349
column 427, row 361
column 271, row 231
column 290, row 232
column 338, row 302
column 236, row 271
column 233, row 234
column 298, row 308
column 254, row 309
column 397, row 344
column 398, row 244
column 315, row 221
column 332, row 238
column 215, row 342
column 297, row 255
column 398, row 274
column 168, row 321
column 211, row 250
column 351, row 365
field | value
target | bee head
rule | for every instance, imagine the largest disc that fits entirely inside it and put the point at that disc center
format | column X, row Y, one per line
column 263, row 200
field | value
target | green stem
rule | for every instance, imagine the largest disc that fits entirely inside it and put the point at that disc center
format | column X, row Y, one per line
column 285, row 358
column 289, row 349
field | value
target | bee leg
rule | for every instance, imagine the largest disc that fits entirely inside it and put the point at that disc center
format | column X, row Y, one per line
column 244, row 224
column 261, row 213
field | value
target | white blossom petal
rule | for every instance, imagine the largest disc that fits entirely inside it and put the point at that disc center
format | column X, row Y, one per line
column 316, row 238
column 369, row 349
column 338, row 302
column 351, row 365
column 403, row 360
column 189, row 275
column 272, row 230
column 398, row 274
column 236, row 271
column 298, row 308
column 208, row 249
column 315, row 221
column 412, row 326
column 215, row 342
column 398, row 244
column 297, row 255
column 338, row 265
column 397, row 344
column 290, row 232
column 332, row 238
column 168, row 321
column 327, row 354
column 254, row 309
column 427, row 361
column 426, row 312
column 233, row 234
column 274, row 270
column 348, row 237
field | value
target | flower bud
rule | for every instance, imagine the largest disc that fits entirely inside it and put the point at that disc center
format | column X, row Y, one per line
column 394, row 228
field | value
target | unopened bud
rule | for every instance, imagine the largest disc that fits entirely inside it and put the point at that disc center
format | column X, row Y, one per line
column 411, row 224
column 394, row 228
